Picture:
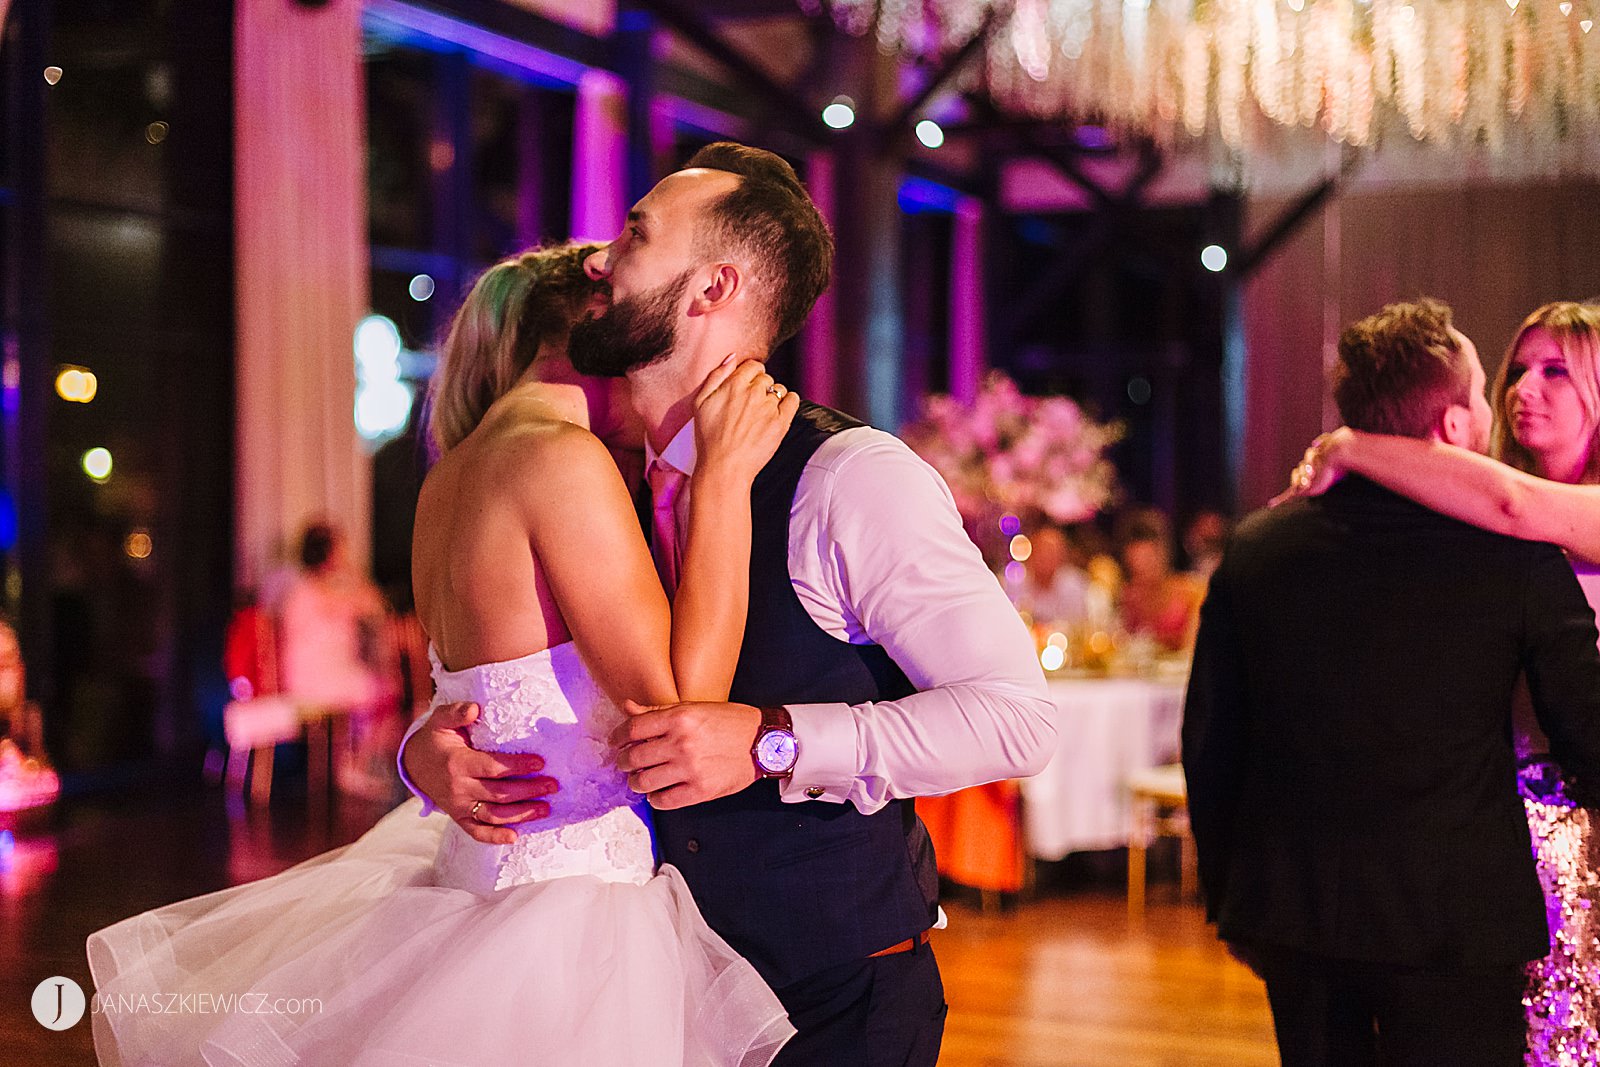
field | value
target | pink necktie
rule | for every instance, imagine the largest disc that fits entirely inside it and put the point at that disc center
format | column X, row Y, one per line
column 666, row 482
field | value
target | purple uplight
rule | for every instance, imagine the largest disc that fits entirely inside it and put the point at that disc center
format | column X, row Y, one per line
column 1093, row 137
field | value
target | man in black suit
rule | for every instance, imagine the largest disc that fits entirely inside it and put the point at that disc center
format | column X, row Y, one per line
column 1348, row 740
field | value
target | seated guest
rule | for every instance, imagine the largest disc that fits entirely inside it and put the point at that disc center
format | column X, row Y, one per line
column 1204, row 538
column 1054, row 587
column 1155, row 600
column 331, row 651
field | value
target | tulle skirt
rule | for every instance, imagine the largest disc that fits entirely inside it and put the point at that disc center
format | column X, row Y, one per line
column 357, row 957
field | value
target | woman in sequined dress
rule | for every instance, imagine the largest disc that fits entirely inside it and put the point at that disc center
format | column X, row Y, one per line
column 1545, row 486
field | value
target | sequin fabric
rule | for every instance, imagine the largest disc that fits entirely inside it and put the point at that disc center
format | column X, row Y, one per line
column 549, row 704
column 1563, row 995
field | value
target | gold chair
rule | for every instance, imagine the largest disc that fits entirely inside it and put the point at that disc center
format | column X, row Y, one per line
column 1160, row 809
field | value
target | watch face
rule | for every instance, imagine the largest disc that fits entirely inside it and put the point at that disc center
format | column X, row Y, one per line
column 777, row 751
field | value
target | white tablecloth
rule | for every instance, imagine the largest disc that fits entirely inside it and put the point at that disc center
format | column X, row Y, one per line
column 1107, row 728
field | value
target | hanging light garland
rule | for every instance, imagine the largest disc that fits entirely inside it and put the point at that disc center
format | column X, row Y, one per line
column 1446, row 71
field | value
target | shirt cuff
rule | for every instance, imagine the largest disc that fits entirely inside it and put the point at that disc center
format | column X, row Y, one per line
column 826, row 767
column 400, row 764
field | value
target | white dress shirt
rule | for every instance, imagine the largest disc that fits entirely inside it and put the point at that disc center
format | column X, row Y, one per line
column 877, row 555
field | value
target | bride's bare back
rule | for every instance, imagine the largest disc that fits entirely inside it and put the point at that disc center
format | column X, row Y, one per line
column 525, row 538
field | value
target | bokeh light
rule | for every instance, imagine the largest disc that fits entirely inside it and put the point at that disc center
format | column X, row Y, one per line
column 382, row 408
column 383, row 400
column 97, row 464
column 377, row 344
column 841, row 114
column 1052, row 658
column 77, row 385
column 1010, row 525
column 138, row 545
column 156, row 132
column 421, row 287
column 930, row 133
column 52, row 74
column 1214, row 258
column 1021, row 548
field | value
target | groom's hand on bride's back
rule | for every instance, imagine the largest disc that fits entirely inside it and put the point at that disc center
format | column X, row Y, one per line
column 484, row 792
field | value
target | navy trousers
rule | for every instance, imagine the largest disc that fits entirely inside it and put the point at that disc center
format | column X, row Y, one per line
column 885, row 1011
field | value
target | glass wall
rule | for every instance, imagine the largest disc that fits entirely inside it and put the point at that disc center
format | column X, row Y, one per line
column 123, row 570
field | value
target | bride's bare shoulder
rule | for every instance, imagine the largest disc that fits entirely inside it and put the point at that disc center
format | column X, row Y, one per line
column 522, row 445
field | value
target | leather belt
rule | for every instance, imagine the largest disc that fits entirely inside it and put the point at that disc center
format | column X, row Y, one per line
column 905, row 946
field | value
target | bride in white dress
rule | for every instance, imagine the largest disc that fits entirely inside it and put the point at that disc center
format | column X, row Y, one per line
column 533, row 934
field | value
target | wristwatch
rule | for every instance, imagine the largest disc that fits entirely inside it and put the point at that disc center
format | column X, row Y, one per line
column 776, row 749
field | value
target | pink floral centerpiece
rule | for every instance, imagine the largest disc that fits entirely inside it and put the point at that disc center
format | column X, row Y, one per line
column 1010, row 454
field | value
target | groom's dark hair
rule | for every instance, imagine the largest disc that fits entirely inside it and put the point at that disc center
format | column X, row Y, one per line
column 771, row 220
column 1400, row 369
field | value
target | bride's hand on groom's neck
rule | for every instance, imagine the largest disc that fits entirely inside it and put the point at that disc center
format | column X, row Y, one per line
column 484, row 792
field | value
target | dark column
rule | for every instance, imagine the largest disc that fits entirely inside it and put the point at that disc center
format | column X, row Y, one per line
column 531, row 180
column 25, row 379
column 635, row 37
column 868, row 283
column 192, row 527
column 450, row 156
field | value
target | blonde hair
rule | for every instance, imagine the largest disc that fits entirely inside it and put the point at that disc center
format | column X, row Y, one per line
column 1576, row 329
column 513, row 308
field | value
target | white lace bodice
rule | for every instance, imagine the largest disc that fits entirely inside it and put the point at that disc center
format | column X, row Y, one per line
column 549, row 704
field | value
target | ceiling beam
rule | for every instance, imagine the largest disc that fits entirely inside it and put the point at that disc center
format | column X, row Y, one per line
column 949, row 68
column 795, row 111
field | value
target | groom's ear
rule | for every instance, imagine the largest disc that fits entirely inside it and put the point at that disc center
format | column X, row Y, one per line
column 718, row 289
column 1455, row 426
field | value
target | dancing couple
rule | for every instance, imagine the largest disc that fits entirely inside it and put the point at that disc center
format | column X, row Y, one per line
column 665, row 787
column 1392, row 735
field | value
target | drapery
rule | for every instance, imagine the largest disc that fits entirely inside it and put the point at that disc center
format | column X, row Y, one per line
column 301, row 265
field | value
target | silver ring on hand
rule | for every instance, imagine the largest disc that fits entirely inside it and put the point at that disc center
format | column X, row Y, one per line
column 472, row 813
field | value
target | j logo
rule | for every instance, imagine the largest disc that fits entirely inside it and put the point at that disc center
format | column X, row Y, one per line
column 58, row 1003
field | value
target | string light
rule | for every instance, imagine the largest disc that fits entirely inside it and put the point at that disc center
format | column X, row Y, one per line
column 1442, row 71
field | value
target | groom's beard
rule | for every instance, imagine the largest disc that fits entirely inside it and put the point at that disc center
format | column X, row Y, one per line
column 633, row 333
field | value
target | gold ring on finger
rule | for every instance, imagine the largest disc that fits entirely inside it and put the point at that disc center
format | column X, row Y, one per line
column 472, row 813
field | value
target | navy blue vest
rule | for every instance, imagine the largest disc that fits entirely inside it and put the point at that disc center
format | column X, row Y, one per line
column 796, row 888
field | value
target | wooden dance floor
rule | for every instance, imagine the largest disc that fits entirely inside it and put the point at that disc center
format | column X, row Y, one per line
column 1065, row 981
